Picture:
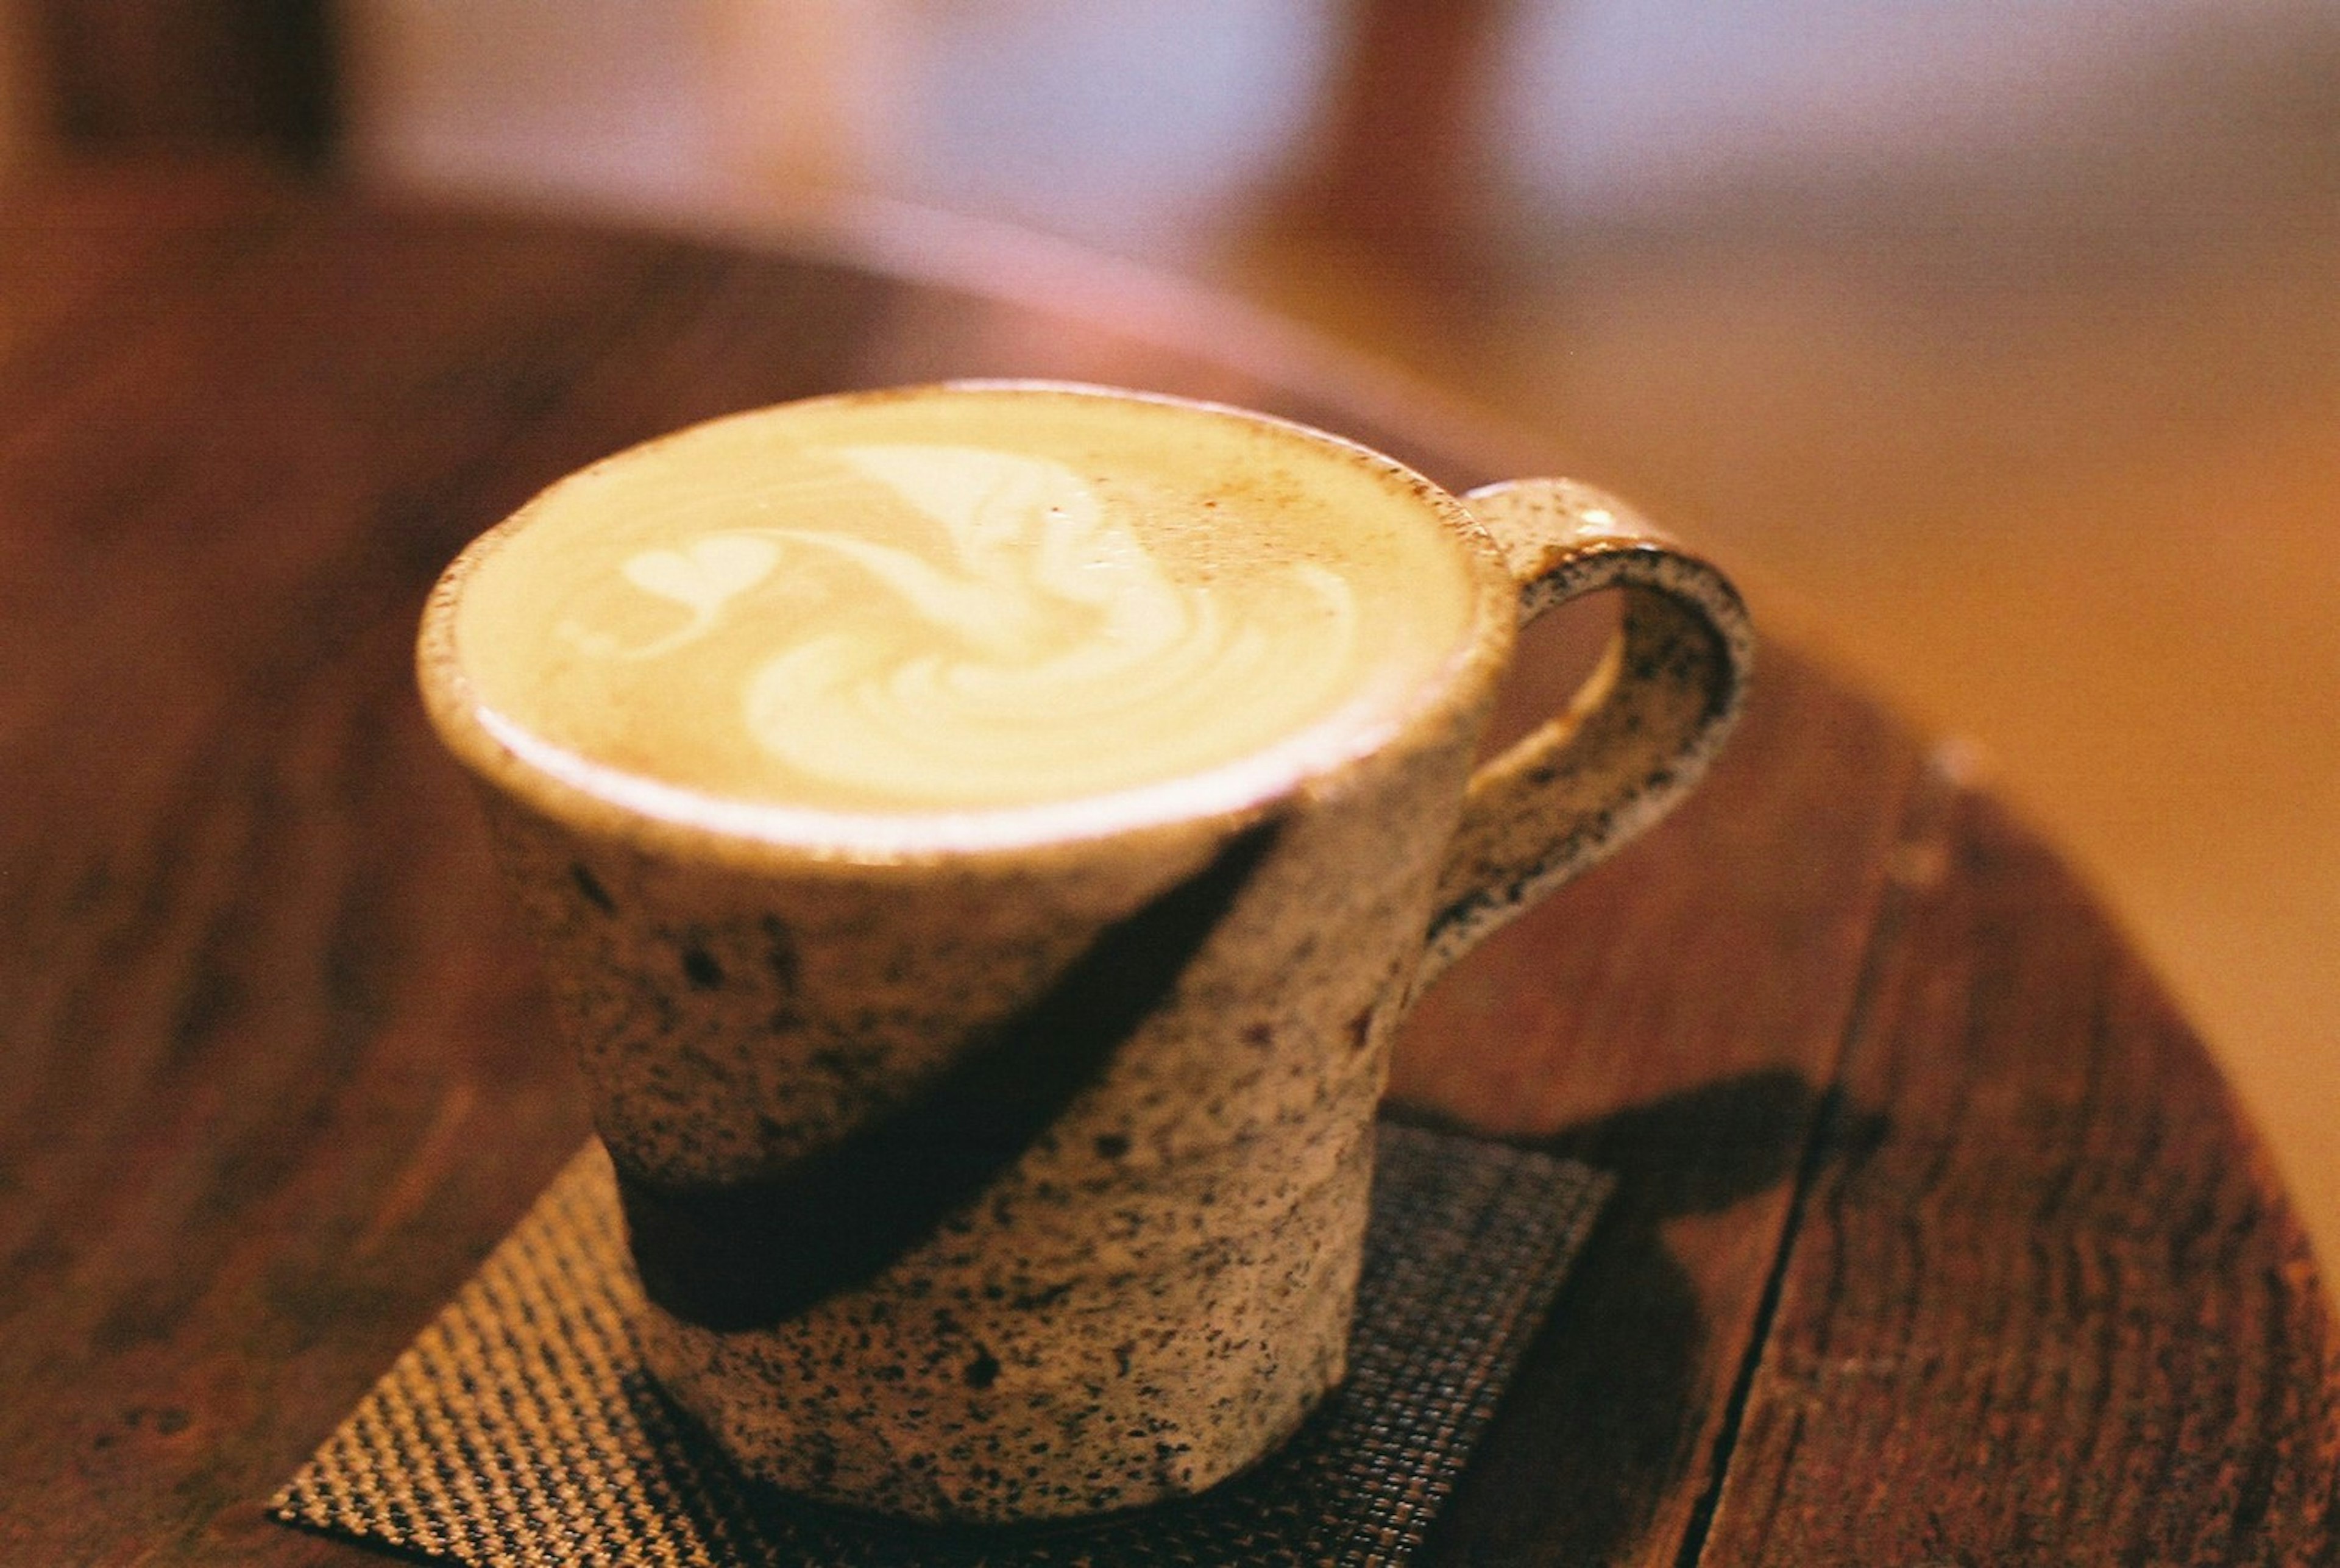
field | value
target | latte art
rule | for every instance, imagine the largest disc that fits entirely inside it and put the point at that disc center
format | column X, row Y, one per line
column 912, row 606
column 1036, row 653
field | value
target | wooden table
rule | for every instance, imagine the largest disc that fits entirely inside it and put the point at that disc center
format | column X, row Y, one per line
column 1939, row 1239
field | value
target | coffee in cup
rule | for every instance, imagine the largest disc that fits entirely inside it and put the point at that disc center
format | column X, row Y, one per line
column 983, row 839
column 909, row 609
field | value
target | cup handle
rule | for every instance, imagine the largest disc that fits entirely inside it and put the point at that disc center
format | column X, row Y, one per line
column 1636, row 737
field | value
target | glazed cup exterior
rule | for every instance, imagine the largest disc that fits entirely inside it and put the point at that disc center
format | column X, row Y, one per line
column 1016, row 1174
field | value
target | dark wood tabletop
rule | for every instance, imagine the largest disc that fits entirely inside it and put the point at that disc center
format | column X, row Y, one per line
column 1938, row 1240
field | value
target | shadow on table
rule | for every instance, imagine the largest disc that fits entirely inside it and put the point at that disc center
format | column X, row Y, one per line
column 1604, row 1421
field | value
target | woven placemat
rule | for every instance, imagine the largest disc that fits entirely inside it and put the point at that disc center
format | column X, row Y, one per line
column 520, row 1429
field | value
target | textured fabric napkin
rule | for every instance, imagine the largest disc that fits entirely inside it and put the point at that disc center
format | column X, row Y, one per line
column 520, row 1428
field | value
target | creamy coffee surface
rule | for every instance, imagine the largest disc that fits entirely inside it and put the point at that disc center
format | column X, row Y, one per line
column 959, row 600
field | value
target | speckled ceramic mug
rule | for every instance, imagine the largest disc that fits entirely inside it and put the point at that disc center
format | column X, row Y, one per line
column 992, row 1096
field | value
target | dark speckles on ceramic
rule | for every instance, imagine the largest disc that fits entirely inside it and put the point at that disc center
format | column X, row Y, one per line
column 1152, row 1287
column 1159, row 1289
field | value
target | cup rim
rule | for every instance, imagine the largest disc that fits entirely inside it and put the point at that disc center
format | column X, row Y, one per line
column 609, row 803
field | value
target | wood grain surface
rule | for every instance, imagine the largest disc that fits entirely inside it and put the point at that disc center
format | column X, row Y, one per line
column 1938, row 1239
column 2030, row 1312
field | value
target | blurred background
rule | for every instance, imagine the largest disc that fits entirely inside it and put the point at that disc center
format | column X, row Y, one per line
column 1994, row 344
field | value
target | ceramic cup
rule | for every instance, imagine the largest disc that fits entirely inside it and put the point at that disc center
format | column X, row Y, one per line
column 1009, row 1163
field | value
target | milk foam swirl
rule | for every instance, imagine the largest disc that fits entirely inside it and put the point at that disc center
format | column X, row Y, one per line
column 1033, row 649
